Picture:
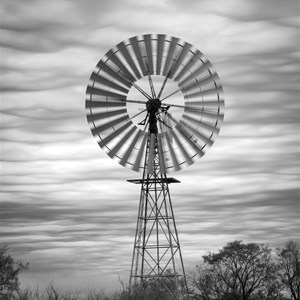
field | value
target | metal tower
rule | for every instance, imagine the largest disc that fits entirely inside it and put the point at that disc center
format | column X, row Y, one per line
column 157, row 259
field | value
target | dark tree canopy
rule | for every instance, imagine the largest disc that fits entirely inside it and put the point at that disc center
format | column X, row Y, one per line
column 289, row 264
column 9, row 272
column 238, row 272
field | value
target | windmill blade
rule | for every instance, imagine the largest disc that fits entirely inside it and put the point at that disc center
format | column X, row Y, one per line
column 182, row 149
column 114, row 134
column 160, row 50
column 100, row 79
column 211, row 78
column 111, row 55
column 130, row 148
column 195, row 59
column 186, row 136
column 151, row 154
column 198, row 105
column 219, row 103
column 148, row 46
column 100, row 92
column 111, row 103
column 98, row 104
column 129, row 101
column 199, row 112
column 161, row 156
column 197, row 133
column 215, row 90
column 117, row 76
column 171, row 150
column 163, row 125
column 202, row 124
column 181, row 57
column 118, row 146
column 108, row 125
column 106, row 114
column 123, row 49
column 138, row 160
column 171, row 50
column 205, row 66
column 138, row 54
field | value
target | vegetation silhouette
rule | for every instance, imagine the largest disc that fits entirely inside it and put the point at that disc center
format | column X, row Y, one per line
column 238, row 271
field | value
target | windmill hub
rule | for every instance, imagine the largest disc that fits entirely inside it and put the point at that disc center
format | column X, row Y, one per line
column 153, row 105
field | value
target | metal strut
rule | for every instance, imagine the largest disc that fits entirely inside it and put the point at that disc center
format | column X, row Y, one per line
column 157, row 263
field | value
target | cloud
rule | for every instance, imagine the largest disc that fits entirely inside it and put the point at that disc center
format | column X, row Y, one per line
column 67, row 208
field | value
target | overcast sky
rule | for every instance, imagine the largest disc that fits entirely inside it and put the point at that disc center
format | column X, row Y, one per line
column 66, row 207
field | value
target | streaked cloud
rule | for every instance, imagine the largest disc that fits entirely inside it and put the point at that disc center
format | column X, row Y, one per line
column 66, row 207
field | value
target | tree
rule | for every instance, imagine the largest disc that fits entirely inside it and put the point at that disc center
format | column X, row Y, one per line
column 9, row 273
column 238, row 272
column 289, row 264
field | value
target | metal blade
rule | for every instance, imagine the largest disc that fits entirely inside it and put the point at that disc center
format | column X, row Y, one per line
column 181, row 57
column 130, row 148
column 123, row 49
column 199, row 112
column 148, row 46
column 202, row 124
column 137, row 162
column 173, row 156
column 111, row 103
column 119, row 145
column 189, row 65
column 112, row 56
column 94, row 104
column 182, row 149
column 161, row 157
column 173, row 45
column 106, row 114
column 129, row 101
column 212, row 77
column 198, row 83
column 197, row 133
column 185, row 135
column 105, row 126
column 114, row 134
column 160, row 50
column 117, row 76
column 215, row 90
column 199, row 104
column 138, row 54
column 205, row 66
column 100, row 79
column 151, row 154
column 96, row 91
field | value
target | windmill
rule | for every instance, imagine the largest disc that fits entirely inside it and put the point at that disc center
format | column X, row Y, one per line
column 155, row 104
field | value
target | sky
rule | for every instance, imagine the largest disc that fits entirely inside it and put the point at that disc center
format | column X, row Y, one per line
column 66, row 207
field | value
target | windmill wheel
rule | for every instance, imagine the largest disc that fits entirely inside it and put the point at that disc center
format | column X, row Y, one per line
column 154, row 84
